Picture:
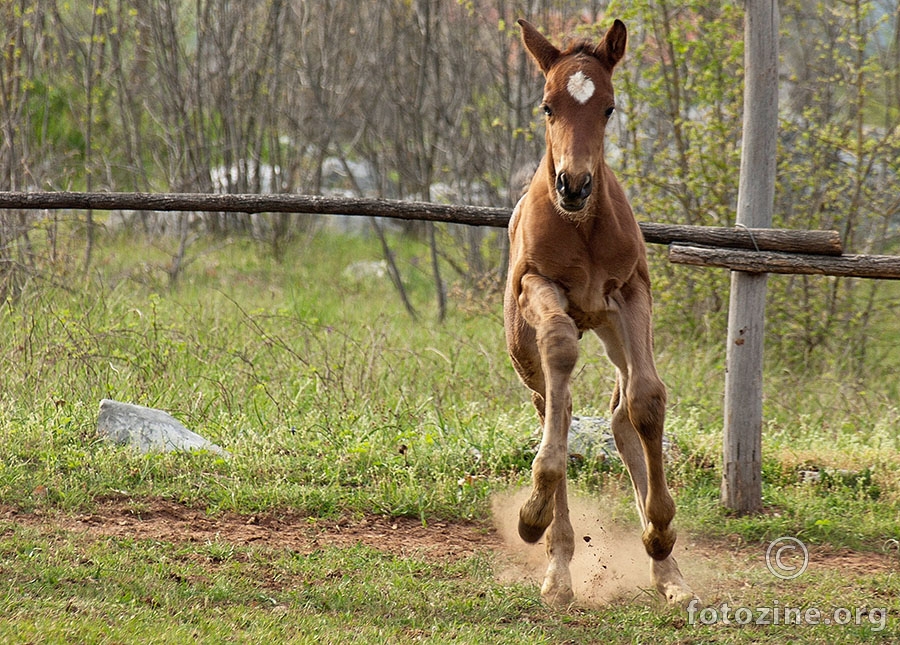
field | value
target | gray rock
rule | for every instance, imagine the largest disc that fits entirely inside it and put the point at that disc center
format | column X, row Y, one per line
column 364, row 269
column 592, row 437
column 148, row 429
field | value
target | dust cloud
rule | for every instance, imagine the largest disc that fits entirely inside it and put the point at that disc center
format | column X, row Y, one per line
column 609, row 564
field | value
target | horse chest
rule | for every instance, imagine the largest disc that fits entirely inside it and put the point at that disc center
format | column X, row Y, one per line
column 587, row 276
column 591, row 302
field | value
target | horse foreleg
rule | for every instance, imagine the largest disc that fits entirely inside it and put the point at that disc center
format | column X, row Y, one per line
column 645, row 403
column 642, row 454
column 543, row 307
column 639, row 412
column 665, row 573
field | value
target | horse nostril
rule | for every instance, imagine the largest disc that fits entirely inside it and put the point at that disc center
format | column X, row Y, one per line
column 562, row 186
column 587, row 187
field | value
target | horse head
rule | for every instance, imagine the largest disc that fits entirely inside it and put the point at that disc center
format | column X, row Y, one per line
column 578, row 102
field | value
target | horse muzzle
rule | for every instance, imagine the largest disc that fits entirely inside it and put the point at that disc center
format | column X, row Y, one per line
column 573, row 192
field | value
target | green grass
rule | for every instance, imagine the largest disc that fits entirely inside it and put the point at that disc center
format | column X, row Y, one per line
column 61, row 587
column 284, row 369
column 332, row 401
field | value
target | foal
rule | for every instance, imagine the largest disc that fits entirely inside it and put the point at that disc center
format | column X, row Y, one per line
column 577, row 262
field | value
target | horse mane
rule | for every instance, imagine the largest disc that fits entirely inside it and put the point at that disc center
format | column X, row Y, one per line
column 581, row 47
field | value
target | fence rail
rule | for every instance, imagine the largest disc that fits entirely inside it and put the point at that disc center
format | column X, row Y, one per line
column 269, row 203
column 881, row 267
column 797, row 241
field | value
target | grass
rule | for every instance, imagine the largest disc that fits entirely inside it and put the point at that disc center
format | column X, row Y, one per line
column 283, row 369
column 63, row 588
column 332, row 401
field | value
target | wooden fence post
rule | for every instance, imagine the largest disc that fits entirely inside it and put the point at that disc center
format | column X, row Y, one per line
column 742, row 442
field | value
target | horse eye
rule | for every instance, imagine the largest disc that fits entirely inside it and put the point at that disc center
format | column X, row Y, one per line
column 547, row 109
column 609, row 111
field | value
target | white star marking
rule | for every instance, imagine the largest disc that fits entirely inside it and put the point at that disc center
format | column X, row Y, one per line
column 581, row 87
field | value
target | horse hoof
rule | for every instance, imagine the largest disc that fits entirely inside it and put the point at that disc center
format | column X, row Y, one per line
column 683, row 599
column 557, row 596
column 529, row 532
column 659, row 544
column 534, row 517
column 677, row 594
column 671, row 585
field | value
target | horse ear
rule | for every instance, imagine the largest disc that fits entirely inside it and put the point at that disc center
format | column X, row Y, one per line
column 612, row 47
column 541, row 49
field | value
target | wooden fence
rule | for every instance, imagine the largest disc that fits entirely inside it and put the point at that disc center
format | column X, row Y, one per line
column 753, row 250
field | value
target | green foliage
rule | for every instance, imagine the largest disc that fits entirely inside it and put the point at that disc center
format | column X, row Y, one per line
column 679, row 147
column 53, row 124
column 681, row 139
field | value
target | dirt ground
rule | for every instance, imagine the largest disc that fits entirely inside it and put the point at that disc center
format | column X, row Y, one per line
column 169, row 521
column 608, row 563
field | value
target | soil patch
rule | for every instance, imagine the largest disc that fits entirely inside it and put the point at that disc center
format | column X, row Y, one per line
column 169, row 521
column 609, row 562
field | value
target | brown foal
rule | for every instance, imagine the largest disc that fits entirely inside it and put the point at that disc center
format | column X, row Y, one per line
column 577, row 262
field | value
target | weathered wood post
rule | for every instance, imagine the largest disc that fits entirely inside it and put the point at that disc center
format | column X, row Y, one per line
column 742, row 444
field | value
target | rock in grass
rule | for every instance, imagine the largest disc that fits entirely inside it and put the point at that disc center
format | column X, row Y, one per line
column 148, row 429
column 592, row 437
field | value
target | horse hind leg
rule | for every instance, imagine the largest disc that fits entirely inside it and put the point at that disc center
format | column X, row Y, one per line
column 557, row 587
column 630, row 451
column 665, row 572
